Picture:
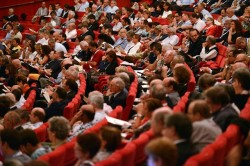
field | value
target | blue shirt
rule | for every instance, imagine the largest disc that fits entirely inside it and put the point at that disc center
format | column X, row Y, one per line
column 121, row 42
column 84, row 6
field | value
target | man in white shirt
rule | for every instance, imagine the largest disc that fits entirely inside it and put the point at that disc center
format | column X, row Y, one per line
column 58, row 9
column 209, row 50
column 203, row 11
column 130, row 44
column 71, row 32
column 58, row 47
column 36, row 118
column 117, row 24
column 112, row 8
column 172, row 38
column 197, row 22
column 230, row 15
column 42, row 11
column 84, row 5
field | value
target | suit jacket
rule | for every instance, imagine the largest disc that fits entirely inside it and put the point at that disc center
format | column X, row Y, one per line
column 71, row 95
column 220, row 117
column 84, row 55
column 13, row 18
column 185, row 149
column 110, row 69
column 93, row 26
column 195, row 47
column 55, row 109
column 119, row 99
column 88, row 33
column 64, row 14
column 55, row 66
column 66, row 45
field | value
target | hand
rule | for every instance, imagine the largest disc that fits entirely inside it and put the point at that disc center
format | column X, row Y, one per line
column 204, row 44
column 205, row 69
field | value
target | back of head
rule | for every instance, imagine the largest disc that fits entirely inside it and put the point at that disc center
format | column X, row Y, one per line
column 28, row 136
column 11, row 119
column 200, row 107
column 242, row 75
column 89, row 143
column 62, row 94
column 96, row 98
column 158, row 91
column 162, row 150
column 60, row 126
column 206, row 80
column 112, row 137
column 217, row 95
column 181, row 124
column 11, row 137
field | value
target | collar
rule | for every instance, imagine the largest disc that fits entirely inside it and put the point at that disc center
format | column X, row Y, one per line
column 179, row 141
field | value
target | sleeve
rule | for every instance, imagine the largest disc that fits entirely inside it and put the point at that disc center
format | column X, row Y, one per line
column 213, row 53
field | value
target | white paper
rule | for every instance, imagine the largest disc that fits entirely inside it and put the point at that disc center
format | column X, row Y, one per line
column 77, row 59
column 117, row 121
column 127, row 63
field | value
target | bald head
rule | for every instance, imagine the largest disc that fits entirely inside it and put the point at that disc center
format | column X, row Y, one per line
column 37, row 115
column 155, row 81
column 242, row 58
column 17, row 63
column 157, row 120
column 12, row 98
column 198, row 110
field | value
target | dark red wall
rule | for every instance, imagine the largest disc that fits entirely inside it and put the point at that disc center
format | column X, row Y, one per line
column 29, row 7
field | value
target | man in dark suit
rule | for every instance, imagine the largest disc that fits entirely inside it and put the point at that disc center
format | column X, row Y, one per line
column 93, row 24
column 86, row 31
column 178, row 128
column 71, row 88
column 65, row 11
column 117, row 93
column 12, row 16
column 57, row 105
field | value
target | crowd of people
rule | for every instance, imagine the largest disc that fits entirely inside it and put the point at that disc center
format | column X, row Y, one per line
column 164, row 58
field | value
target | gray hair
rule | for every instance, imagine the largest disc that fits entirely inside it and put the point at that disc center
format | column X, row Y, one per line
column 84, row 43
column 125, row 77
column 119, row 83
column 97, row 99
column 72, row 13
column 60, row 126
column 158, row 91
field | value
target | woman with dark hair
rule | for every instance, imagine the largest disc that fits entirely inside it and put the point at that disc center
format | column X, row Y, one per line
column 234, row 32
column 11, row 72
column 86, row 147
column 167, row 10
column 157, row 10
column 110, row 141
column 112, row 63
column 182, row 77
column 3, row 62
column 45, row 55
column 210, row 29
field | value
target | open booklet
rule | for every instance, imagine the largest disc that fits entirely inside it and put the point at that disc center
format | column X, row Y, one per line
column 118, row 122
column 45, row 95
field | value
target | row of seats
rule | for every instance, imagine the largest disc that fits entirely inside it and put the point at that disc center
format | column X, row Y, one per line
column 64, row 155
column 215, row 153
column 28, row 104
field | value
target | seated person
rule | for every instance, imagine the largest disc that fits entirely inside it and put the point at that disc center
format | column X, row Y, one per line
column 12, row 120
column 109, row 63
column 157, row 150
column 178, row 128
column 209, row 49
column 37, row 116
column 173, row 96
column 71, row 88
column 71, row 32
column 205, row 130
column 57, row 104
column 82, row 120
column 86, row 147
column 10, row 145
column 111, row 140
column 30, row 144
column 182, row 77
column 117, row 94
column 219, row 104
column 58, row 131
column 241, row 78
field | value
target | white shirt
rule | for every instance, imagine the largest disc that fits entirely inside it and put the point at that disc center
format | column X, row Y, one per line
column 128, row 46
column 32, row 126
column 59, row 47
column 59, row 12
column 199, row 25
column 71, row 34
column 42, row 41
column 134, row 49
column 165, row 14
column 83, row 6
column 172, row 40
column 210, row 55
column 99, row 115
column 112, row 9
column 117, row 27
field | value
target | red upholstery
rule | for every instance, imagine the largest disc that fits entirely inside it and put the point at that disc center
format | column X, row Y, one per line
column 28, row 105
column 180, row 107
column 245, row 113
column 220, row 59
column 205, row 158
column 69, row 158
column 233, row 136
column 80, row 14
column 41, row 132
column 128, row 154
column 113, row 160
column 55, row 158
column 72, row 46
column 219, row 147
column 69, row 110
column 140, row 144
column 180, row 35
